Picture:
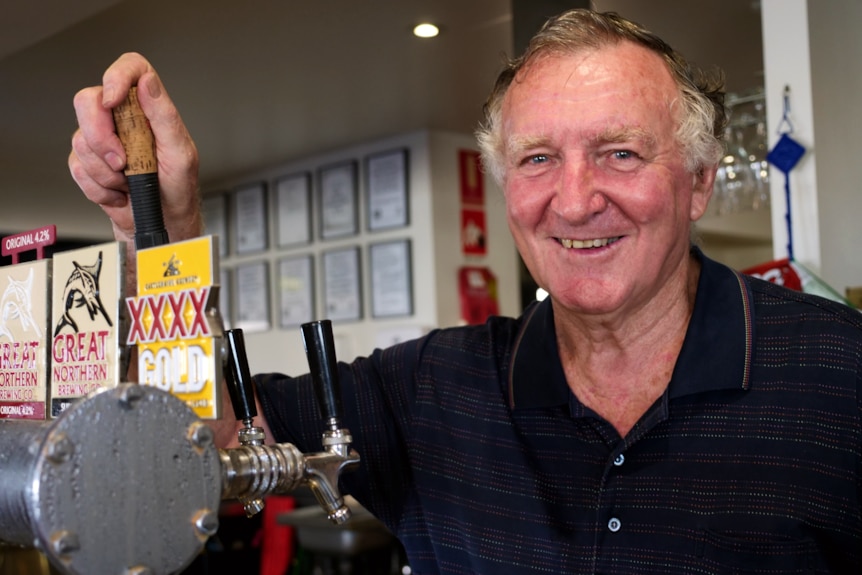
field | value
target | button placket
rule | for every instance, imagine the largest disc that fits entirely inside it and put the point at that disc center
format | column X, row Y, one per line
column 614, row 524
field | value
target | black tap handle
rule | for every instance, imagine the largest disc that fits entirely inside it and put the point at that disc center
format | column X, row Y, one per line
column 238, row 376
column 320, row 350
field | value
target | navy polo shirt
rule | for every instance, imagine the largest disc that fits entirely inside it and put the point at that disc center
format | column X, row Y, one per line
column 480, row 459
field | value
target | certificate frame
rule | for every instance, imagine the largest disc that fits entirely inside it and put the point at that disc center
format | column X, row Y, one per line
column 214, row 210
column 249, row 218
column 251, row 302
column 387, row 189
column 342, row 284
column 391, row 273
column 293, row 210
column 225, row 297
column 339, row 200
column 295, row 290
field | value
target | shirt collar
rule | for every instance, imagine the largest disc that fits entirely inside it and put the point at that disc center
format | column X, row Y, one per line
column 716, row 353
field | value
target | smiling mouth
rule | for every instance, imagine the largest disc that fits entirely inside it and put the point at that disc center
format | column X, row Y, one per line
column 586, row 244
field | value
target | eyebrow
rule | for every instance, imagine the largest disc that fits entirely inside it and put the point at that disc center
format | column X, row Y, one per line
column 517, row 144
column 625, row 134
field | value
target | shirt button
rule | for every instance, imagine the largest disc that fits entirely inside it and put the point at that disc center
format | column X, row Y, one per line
column 619, row 459
column 614, row 524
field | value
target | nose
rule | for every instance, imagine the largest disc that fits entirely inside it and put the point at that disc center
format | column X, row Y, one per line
column 579, row 195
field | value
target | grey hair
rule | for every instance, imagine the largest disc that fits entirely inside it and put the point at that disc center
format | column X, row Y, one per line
column 703, row 117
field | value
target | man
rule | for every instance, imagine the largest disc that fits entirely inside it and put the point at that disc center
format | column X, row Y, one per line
column 659, row 413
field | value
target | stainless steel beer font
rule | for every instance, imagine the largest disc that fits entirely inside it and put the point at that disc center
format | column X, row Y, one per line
column 254, row 469
column 129, row 481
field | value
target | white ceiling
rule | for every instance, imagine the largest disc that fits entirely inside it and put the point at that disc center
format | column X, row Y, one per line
column 262, row 82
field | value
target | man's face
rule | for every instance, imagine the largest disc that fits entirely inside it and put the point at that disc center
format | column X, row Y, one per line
column 598, row 198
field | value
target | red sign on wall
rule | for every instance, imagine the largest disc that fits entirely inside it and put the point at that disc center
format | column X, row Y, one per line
column 474, row 233
column 470, row 172
column 477, row 287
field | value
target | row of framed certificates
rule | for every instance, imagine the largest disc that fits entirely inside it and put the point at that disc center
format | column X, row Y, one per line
column 246, row 287
column 337, row 204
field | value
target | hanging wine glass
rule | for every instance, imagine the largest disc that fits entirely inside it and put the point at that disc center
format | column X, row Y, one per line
column 757, row 148
column 735, row 179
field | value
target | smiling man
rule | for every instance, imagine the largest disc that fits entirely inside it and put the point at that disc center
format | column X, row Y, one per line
column 600, row 203
column 658, row 413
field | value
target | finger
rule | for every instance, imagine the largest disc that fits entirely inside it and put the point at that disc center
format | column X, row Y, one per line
column 97, row 127
column 125, row 72
column 114, row 202
column 94, row 190
column 85, row 163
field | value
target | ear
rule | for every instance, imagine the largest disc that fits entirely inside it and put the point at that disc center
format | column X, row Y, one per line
column 701, row 190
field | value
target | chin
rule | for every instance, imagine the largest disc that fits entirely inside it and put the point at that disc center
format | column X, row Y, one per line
column 576, row 302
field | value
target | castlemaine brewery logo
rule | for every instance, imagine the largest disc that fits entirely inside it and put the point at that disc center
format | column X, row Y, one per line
column 172, row 266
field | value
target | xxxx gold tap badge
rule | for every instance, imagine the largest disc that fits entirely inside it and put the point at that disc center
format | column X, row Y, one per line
column 175, row 324
column 89, row 331
column 24, row 337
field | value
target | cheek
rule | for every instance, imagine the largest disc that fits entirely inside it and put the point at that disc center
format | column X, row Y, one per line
column 659, row 199
column 644, row 205
column 525, row 204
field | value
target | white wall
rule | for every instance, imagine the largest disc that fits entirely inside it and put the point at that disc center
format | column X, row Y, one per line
column 836, row 76
column 502, row 256
column 786, row 61
column 814, row 48
column 436, row 255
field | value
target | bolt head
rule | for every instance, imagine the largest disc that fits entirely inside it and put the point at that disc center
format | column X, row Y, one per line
column 201, row 435
column 59, row 448
column 129, row 394
column 65, row 542
column 206, row 522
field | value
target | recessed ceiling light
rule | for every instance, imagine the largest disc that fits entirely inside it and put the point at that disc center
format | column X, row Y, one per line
column 426, row 30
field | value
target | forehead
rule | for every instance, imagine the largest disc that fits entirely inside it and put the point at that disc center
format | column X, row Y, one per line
column 623, row 79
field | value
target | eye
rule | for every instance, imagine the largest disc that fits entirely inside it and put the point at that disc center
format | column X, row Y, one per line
column 623, row 160
column 624, row 155
column 536, row 160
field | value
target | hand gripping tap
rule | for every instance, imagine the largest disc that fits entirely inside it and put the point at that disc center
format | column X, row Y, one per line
column 254, row 469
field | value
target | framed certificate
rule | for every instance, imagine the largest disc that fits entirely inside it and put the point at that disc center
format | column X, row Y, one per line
column 252, row 297
column 391, row 279
column 342, row 292
column 295, row 290
column 214, row 210
column 388, row 200
column 293, row 208
column 249, row 216
column 224, row 298
column 339, row 210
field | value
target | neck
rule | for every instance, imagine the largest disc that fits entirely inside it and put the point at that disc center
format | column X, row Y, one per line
column 620, row 366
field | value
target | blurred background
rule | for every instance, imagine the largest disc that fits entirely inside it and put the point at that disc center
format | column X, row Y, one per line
column 262, row 82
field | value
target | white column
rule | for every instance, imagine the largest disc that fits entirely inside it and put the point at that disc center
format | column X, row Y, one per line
column 787, row 63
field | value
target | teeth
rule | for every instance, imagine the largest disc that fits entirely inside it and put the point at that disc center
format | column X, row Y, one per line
column 582, row 244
